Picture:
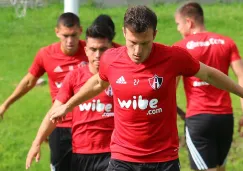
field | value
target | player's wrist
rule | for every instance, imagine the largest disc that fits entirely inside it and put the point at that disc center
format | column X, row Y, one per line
column 37, row 142
column 68, row 108
column 5, row 105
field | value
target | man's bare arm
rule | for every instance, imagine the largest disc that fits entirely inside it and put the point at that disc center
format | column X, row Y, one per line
column 180, row 112
column 218, row 79
column 25, row 85
column 94, row 86
column 237, row 67
column 44, row 131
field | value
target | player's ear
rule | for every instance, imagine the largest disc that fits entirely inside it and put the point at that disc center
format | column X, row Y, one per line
column 85, row 49
column 189, row 23
column 57, row 31
column 124, row 31
column 155, row 33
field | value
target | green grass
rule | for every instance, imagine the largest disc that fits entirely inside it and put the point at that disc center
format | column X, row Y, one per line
column 20, row 38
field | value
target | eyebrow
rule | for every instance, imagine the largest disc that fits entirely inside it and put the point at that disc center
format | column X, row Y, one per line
column 139, row 43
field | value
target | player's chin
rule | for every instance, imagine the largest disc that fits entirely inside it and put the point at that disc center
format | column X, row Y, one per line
column 70, row 48
column 96, row 63
column 137, row 60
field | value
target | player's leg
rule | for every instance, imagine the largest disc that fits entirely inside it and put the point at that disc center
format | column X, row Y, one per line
column 201, row 142
column 221, row 168
column 213, row 169
column 60, row 143
column 225, row 137
column 54, row 138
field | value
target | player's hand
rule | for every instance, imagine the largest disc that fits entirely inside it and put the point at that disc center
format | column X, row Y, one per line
column 58, row 114
column 3, row 109
column 34, row 152
column 240, row 125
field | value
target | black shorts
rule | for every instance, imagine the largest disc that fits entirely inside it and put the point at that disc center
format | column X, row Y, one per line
column 209, row 137
column 118, row 165
column 60, row 142
column 90, row 162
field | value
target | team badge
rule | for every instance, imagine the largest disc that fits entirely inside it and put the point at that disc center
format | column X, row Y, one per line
column 109, row 91
column 155, row 82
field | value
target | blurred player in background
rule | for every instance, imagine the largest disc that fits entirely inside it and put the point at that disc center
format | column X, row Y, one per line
column 92, row 121
column 209, row 115
column 56, row 60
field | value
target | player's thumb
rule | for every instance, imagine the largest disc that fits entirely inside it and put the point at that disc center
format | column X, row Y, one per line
column 54, row 117
column 37, row 158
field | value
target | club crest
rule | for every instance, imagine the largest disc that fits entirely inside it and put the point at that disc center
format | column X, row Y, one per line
column 109, row 91
column 155, row 82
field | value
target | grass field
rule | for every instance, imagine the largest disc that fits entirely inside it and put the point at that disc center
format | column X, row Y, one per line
column 20, row 38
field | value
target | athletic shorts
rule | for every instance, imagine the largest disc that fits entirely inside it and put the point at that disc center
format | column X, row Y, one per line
column 209, row 137
column 119, row 165
column 60, row 142
column 90, row 162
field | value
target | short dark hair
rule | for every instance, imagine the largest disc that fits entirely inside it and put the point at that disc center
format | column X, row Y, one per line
column 192, row 10
column 106, row 19
column 68, row 20
column 99, row 31
column 140, row 18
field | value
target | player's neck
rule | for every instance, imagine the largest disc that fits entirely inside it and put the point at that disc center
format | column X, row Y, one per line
column 199, row 29
column 69, row 52
column 92, row 69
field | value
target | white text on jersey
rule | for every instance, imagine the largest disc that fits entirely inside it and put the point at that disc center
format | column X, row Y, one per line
column 199, row 83
column 140, row 103
column 96, row 105
column 211, row 41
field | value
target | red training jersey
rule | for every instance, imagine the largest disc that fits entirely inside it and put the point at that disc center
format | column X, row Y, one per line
column 218, row 52
column 145, row 102
column 115, row 45
column 56, row 64
column 93, row 121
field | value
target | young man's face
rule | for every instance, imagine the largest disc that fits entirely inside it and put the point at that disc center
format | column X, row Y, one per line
column 139, row 45
column 94, row 48
column 183, row 25
column 69, row 38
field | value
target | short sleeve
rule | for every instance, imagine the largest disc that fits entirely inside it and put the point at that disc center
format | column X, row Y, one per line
column 104, row 65
column 66, row 90
column 185, row 64
column 107, row 59
column 234, row 52
column 37, row 68
column 179, row 43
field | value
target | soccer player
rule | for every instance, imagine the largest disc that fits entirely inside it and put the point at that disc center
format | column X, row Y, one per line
column 209, row 115
column 56, row 60
column 92, row 121
column 143, row 79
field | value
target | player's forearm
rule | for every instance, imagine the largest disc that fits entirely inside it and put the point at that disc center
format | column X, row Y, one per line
column 24, row 86
column 240, row 81
column 46, row 126
column 90, row 89
column 45, row 130
column 222, row 81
